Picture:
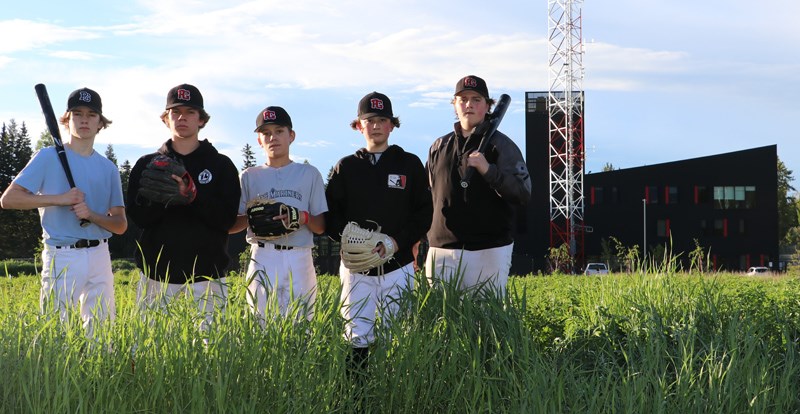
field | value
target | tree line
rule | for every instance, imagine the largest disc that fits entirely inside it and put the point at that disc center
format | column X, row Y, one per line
column 21, row 233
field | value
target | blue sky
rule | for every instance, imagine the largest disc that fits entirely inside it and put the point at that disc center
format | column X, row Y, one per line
column 665, row 80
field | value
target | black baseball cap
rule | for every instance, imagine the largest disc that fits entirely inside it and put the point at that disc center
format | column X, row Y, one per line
column 472, row 83
column 184, row 95
column 273, row 115
column 85, row 97
column 375, row 104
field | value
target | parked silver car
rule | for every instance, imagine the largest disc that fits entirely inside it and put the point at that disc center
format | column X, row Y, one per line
column 596, row 269
column 758, row 270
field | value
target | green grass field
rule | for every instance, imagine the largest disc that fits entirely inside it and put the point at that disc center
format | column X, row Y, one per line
column 652, row 343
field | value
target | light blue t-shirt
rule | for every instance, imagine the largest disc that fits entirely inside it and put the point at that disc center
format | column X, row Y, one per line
column 95, row 175
column 297, row 185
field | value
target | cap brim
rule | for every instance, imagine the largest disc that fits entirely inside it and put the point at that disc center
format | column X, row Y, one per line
column 271, row 123
column 70, row 109
column 175, row 105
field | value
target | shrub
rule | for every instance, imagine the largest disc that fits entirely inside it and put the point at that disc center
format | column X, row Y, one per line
column 17, row 267
column 123, row 265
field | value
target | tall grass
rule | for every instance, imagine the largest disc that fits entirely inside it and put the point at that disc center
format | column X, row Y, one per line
column 645, row 342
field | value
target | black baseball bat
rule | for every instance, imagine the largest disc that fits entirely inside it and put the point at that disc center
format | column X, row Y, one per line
column 52, row 126
column 486, row 130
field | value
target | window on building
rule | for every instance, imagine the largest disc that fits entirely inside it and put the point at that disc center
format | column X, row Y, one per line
column 597, row 195
column 702, row 195
column 662, row 228
column 744, row 262
column 651, row 194
column 734, row 197
column 719, row 227
column 670, row 194
column 750, row 197
column 615, row 195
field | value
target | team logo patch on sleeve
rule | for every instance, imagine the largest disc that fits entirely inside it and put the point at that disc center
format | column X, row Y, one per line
column 397, row 181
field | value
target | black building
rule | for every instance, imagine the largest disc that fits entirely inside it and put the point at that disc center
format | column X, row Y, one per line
column 726, row 204
column 532, row 240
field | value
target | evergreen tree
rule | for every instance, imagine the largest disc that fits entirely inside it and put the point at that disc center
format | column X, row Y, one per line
column 124, row 175
column 249, row 157
column 20, row 231
column 328, row 177
column 110, row 154
column 123, row 246
column 6, row 149
column 787, row 210
column 45, row 140
column 15, row 151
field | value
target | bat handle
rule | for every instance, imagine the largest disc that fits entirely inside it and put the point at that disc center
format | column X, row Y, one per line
column 85, row 222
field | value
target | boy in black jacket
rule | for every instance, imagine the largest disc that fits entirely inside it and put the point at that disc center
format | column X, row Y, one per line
column 184, row 247
column 379, row 185
column 471, row 236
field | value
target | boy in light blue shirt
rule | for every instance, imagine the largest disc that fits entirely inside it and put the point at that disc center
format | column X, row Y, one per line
column 76, row 263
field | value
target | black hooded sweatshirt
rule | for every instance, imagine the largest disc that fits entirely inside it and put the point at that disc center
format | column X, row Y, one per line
column 189, row 242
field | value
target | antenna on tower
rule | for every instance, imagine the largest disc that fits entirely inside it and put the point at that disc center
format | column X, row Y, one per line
column 565, row 111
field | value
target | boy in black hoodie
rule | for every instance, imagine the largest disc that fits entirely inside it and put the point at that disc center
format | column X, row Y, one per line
column 184, row 247
column 379, row 185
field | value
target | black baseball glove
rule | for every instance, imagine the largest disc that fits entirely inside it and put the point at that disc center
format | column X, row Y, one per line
column 261, row 213
column 158, row 185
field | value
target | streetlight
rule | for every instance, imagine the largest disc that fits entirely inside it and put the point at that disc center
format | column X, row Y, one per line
column 644, row 228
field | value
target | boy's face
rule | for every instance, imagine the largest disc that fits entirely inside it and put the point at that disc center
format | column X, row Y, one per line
column 376, row 129
column 183, row 121
column 275, row 139
column 471, row 108
column 84, row 123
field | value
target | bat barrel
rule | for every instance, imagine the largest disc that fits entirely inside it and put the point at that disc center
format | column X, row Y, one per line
column 492, row 124
column 52, row 126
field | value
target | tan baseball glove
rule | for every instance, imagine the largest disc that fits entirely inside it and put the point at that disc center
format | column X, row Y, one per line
column 358, row 244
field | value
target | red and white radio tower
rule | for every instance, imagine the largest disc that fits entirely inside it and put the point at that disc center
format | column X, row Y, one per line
column 565, row 106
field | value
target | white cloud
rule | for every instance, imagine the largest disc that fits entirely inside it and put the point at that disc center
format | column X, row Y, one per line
column 76, row 55
column 20, row 35
column 320, row 143
column 609, row 57
column 5, row 60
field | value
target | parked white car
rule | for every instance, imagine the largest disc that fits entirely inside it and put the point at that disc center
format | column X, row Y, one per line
column 596, row 269
column 758, row 270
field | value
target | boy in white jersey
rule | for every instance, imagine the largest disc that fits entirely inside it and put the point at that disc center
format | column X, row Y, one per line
column 282, row 271
column 76, row 263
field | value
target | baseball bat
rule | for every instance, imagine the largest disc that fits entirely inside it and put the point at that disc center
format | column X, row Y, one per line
column 52, row 126
column 486, row 130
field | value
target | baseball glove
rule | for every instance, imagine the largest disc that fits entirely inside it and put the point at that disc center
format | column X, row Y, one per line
column 158, row 185
column 357, row 248
column 260, row 216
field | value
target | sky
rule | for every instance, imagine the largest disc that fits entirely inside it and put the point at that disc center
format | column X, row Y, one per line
column 665, row 80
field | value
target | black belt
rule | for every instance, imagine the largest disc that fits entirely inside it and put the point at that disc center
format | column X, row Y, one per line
column 276, row 246
column 82, row 244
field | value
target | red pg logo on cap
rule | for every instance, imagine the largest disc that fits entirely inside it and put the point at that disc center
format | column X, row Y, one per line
column 184, row 95
column 376, row 103
column 470, row 83
column 269, row 115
